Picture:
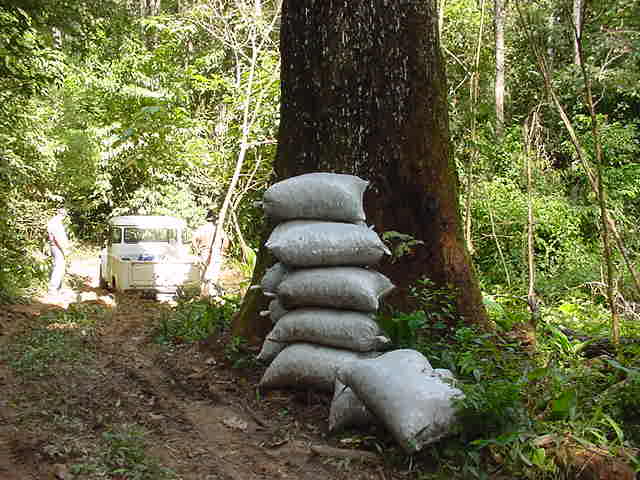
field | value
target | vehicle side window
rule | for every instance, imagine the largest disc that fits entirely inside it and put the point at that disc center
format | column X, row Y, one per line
column 133, row 235
column 137, row 235
column 115, row 235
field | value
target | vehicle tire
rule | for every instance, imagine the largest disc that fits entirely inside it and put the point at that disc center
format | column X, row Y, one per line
column 102, row 283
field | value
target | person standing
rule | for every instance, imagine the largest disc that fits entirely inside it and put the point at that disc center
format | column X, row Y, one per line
column 59, row 246
column 203, row 238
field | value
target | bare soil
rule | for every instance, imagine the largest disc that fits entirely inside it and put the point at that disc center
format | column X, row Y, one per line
column 202, row 416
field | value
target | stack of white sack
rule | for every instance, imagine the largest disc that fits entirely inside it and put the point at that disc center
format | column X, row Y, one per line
column 324, row 293
column 400, row 390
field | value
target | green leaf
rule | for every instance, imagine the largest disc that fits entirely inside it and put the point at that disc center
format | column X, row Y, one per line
column 615, row 426
column 565, row 405
column 537, row 374
column 151, row 109
column 539, row 456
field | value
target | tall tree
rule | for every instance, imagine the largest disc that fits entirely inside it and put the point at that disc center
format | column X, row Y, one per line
column 577, row 30
column 498, row 22
column 364, row 92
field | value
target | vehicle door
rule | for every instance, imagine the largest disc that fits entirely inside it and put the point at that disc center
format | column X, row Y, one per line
column 114, row 243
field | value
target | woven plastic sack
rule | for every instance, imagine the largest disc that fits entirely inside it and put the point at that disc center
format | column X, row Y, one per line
column 348, row 288
column 416, row 406
column 276, row 310
column 320, row 196
column 304, row 365
column 272, row 277
column 303, row 243
column 347, row 410
column 346, row 329
column 270, row 350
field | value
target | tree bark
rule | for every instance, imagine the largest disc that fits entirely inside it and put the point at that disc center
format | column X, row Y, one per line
column 247, row 322
column 499, row 14
column 577, row 31
column 364, row 92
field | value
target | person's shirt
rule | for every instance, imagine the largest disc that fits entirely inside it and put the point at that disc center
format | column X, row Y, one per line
column 57, row 233
column 203, row 236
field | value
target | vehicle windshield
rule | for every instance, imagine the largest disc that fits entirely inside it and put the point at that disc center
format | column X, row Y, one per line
column 157, row 235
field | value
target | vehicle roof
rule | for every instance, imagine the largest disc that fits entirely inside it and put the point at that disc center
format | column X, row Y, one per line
column 148, row 221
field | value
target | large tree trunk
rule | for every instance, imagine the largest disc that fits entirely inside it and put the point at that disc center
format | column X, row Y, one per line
column 364, row 92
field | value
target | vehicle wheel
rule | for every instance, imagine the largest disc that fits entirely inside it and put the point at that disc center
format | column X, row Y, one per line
column 102, row 283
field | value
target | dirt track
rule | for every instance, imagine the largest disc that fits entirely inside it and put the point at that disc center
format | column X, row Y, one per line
column 202, row 418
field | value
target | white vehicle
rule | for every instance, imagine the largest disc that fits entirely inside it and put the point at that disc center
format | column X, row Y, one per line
column 147, row 253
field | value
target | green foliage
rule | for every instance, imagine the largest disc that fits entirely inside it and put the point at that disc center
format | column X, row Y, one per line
column 58, row 341
column 195, row 319
column 400, row 244
column 565, row 256
column 490, row 370
column 403, row 328
column 514, row 396
column 235, row 351
column 123, row 455
column 435, row 315
column 29, row 65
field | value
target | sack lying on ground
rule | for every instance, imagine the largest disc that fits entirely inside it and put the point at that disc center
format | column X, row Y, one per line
column 346, row 329
column 307, row 365
column 416, row 406
column 347, row 410
column 272, row 277
column 302, row 243
column 326, row 196
column 348, row 288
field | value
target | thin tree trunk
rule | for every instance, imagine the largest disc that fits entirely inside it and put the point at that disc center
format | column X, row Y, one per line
column 441, row 6
column 499, row 16
column 251, row 106
column 551, row 25
column 474, row 94
column 531, row 127
column 577, row 30
column 602, row 199
column 498, row 246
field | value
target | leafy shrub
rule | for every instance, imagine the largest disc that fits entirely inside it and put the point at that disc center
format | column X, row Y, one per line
column 436, row 312
column 564, row 243
column 196, row 319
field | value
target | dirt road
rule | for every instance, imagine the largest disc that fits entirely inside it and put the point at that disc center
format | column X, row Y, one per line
column 122, row 399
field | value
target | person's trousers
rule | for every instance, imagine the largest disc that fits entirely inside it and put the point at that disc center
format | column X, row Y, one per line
column 57, row 273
